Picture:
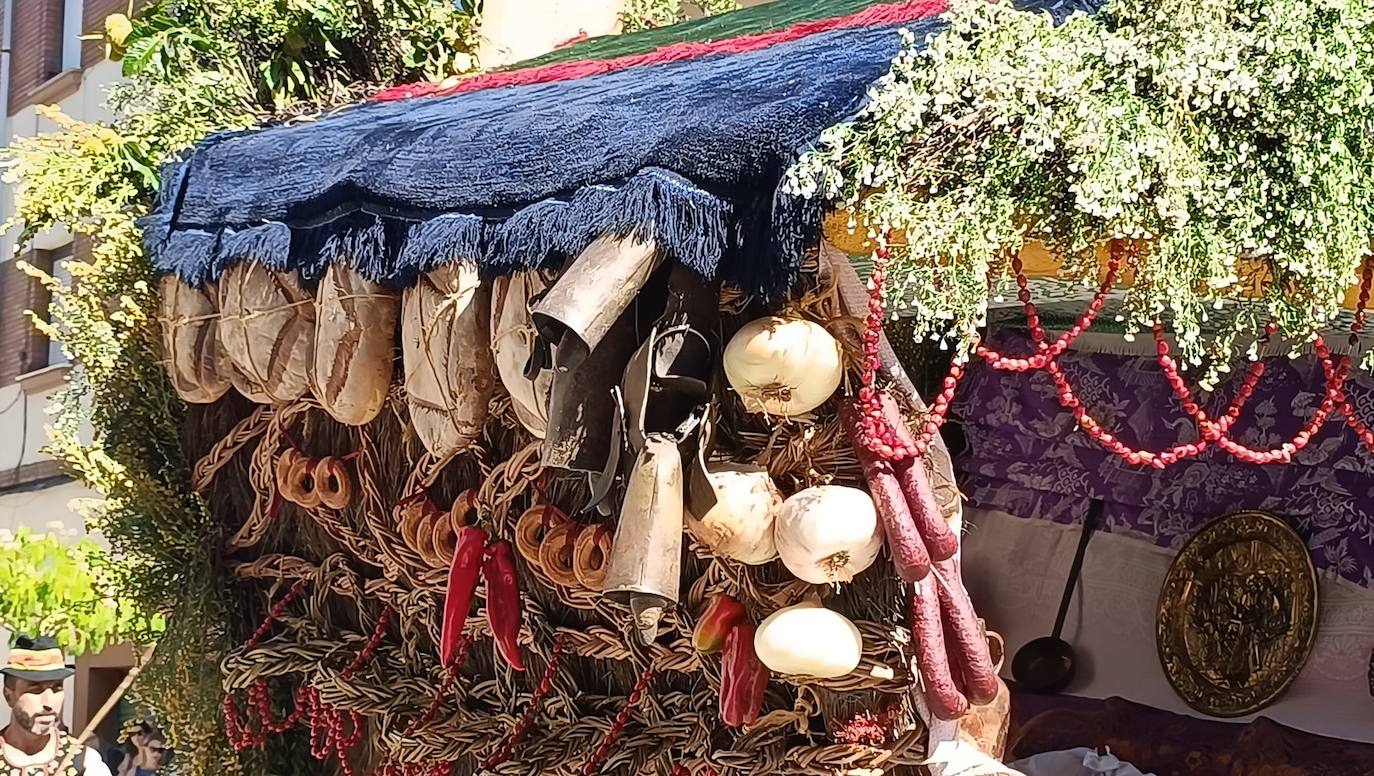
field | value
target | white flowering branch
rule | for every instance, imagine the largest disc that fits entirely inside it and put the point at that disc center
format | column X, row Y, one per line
column 1233, row 138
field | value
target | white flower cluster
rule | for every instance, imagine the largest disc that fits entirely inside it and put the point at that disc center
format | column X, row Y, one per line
column 1234, row 138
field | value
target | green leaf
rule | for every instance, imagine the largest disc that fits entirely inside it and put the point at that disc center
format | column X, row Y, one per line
column 138, row 53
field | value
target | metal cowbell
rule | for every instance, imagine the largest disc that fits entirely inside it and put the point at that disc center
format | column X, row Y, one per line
column 645, row 567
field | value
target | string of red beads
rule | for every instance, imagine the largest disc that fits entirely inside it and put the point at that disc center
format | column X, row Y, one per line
column 277, row 609
column 598, row 758
column 365, row 654
column 1085, row 321
column 414, row 769
column 243, row 735
column 329, row 735
column 879, row 437
column 1211, row 431
column 517, row 732
column 450, row 677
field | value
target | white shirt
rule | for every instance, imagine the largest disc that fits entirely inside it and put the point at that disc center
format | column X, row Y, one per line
column 94, row 766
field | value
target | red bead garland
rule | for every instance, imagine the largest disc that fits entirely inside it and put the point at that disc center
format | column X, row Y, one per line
column 450, row 677
column 241, row 733
column 414, row 769
column 882, row 440
column 598, row 758
column 508, row 744
column 275, row 612
column 1217, row 431
column 329, row 735
column 1085, row 321
column 328, row 732
column 365, row 654
column 878, row 436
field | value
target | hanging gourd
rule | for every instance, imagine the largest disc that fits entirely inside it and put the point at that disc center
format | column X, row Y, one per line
column 783, row 367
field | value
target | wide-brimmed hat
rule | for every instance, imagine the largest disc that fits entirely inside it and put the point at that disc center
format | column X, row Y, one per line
column 37, row 660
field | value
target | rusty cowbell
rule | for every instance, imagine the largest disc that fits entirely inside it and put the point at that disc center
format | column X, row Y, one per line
column 645, row 565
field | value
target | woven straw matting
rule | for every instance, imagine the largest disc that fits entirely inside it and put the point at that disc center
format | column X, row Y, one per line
column 357, row 563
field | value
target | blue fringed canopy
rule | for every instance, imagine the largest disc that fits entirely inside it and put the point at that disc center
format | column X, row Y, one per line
column 690, row 153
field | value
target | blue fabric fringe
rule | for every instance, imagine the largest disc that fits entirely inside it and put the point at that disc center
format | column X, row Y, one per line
column 688, row 154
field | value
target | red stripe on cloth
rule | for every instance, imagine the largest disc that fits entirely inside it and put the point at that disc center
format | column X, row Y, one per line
column 889, row 13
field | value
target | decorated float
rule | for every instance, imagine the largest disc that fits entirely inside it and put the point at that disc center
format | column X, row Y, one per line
column 590, row 416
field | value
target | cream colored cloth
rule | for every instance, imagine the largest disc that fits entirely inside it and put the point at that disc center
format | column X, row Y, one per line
column 1076, row 762
column 1015, row 570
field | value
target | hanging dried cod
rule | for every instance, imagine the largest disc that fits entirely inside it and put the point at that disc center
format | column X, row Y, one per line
column 196, row 361
column 512, row 340
column 267, row 326
column 447, row 356
column 355, row 330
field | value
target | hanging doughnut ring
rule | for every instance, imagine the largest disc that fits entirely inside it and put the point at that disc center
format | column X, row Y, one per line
column 300, row 485
column 332, row 482
column 556, row 553
column 531, row 528
column 446, row 525
column 591, row 553
column 424, row 538
column 411, row 517
column 285, row 461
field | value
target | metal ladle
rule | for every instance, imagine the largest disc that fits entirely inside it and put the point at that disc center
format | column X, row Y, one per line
column 1047, row 664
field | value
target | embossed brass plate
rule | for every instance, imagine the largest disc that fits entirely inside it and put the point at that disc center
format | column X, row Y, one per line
column 1237, row 614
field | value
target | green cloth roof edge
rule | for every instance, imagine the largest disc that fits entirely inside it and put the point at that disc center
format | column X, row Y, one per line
column 746, row 21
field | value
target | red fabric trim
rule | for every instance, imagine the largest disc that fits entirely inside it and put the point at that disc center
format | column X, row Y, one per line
column 889, row 13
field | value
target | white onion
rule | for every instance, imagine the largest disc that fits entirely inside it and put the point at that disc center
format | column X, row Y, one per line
column 783, row 367
column 740, row 524
column 828, row 533
column 809, row 640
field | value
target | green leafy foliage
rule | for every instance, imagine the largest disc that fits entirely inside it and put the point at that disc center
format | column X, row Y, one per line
column 273, row 54
column 52, row 587
column 193, row 67
column 1233, row 139
column 648, row 14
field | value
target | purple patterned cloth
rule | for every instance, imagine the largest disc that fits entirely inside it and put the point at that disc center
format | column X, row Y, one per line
column 1027, row 457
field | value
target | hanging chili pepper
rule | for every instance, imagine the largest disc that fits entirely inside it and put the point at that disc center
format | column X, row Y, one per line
column 504, row 607
column 743, row 677
column 721, row 613
column 462, row 580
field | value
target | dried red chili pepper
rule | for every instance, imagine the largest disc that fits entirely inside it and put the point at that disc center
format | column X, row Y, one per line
column 743, row 677
column 462, row 581
column 721, row 613
column 504, row 607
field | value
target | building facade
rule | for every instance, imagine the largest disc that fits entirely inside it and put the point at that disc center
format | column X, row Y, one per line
column 44, row 61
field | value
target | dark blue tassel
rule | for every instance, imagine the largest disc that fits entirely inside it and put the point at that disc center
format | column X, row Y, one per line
column 440, row 240
column 530, row 238
column 268, row 244
column 361, row 243
column 155, row 231
column 689, row 224
column 190, row 254
column 794, row 226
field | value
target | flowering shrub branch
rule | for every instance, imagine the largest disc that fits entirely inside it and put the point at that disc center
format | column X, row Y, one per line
column 193, row 67
column 1230, row 139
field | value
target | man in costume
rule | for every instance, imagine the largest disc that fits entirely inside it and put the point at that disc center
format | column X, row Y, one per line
column 34, row 743
column 145, row 752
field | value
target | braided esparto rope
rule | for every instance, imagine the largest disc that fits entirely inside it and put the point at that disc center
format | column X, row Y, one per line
column 239, row 436
column 321, row 634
